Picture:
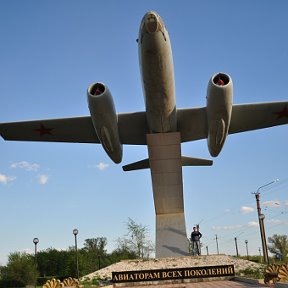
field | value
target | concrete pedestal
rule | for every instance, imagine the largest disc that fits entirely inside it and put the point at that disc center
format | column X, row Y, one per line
column 166, row 171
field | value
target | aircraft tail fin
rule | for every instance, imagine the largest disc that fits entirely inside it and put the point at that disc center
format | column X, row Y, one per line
column 186, row 161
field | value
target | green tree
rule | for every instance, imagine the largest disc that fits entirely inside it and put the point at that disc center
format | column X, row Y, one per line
column 138, row 241
column 279, row 244
column 57, row 263
column 20, row 269
column 123, row 251
column 95, row 253
column 96, row 244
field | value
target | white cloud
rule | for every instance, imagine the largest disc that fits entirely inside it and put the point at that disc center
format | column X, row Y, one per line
column 236, row 226
column 246, row 210
column 26, row 166
column 228, row 227
column 4, row 179
column 102, row 166
column 43, row 179
column 27, row 251
column 253, row 224
column 271, row 203
column 277, row 222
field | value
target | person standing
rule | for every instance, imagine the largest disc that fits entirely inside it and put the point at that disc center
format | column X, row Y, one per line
column 195, row 240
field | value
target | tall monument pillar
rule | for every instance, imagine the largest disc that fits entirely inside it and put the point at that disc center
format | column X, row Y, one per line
column 164, row 151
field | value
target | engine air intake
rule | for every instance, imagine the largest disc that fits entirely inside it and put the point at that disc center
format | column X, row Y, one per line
column 221, row 79
column 97, row 89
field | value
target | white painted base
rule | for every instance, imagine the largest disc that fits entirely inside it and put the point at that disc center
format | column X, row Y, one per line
column 171, row 238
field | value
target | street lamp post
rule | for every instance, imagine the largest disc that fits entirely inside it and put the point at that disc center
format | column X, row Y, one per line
column 75, row 232
column 246, row 242
column 99, row 265
column 261, row 221
column 35, row 241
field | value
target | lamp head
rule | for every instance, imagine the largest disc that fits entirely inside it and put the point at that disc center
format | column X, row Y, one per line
column 35, row 241
column 75, row 232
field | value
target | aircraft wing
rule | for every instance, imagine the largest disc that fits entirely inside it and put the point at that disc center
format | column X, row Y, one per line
column 77, row 129
column 192, row 122
column 132, row 129
column 247, row 117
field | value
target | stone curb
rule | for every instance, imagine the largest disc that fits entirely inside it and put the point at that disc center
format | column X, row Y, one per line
column 281, row 285
column 248, row 280
column 257, row 281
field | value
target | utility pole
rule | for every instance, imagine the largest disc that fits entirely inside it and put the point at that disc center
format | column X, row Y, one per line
column 262, row 229
column 237, row 254
column 217, row 243
column 261, row 222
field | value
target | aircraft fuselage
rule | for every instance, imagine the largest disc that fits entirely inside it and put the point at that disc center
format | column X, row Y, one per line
column 157, row 71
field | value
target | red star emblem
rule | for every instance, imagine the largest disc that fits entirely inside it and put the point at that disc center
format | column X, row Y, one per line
column 283, row 113
column 44, row 130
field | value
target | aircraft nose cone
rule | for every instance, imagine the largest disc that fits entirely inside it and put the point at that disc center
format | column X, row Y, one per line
column 151, row 22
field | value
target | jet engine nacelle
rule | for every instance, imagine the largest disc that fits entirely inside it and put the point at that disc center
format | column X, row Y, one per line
column 104, row 118
column 219, row 108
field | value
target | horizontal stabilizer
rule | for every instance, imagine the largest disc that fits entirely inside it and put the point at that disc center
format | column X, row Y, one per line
column 142, row 164
column 185, row 161
column 190, row 161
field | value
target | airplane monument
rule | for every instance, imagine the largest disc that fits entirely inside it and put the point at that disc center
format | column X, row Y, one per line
column 162, row 127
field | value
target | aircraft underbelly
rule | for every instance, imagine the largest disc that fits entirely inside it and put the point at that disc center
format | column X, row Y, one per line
column 157, row 71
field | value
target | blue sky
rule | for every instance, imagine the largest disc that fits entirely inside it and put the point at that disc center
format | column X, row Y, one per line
column 51, row 51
